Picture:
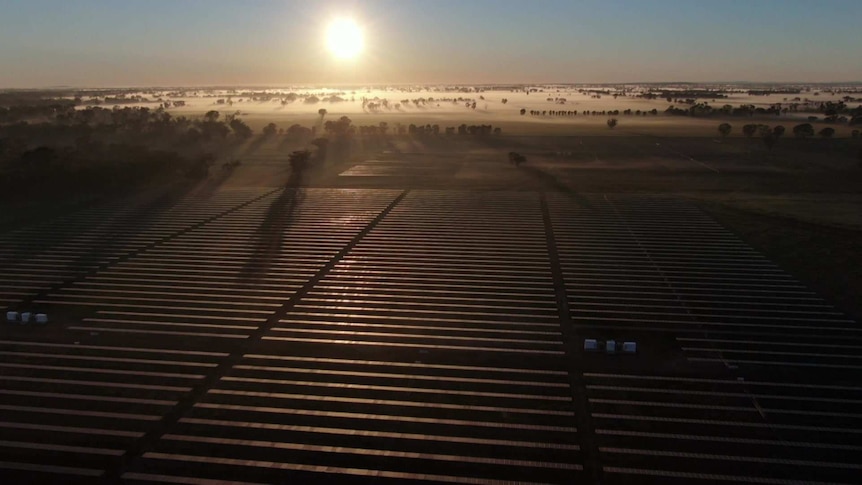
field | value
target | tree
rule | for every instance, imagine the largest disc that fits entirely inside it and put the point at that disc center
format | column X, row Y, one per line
column 270, row 130
column 803, row 131
column 200, row 167
column 523, row 111
column 516, row 158
column 749, row 130
column 612, row 123
column 296, row 130
column 211, row 115
column 322, row 112
column 505, row 101
column 724, row 129
column 38, row 159
column 826, row 132
column 299, row 160
column 240, row 129
column 778, row 131
column 338, row 128
column 212, row 129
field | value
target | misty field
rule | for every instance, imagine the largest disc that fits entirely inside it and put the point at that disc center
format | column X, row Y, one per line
column 454, row 105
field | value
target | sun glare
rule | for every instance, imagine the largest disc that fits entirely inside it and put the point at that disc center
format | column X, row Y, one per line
column 344, row 39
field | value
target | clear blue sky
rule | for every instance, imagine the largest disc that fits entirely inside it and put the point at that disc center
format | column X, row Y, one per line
column 269, row 42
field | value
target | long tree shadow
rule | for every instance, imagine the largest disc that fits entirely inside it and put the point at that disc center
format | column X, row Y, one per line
column 138, row 218
column 500, row 142
column 292, row 142
column 391, row 147
column 269, row 235
column 552, row 182
column 113, row 240
column 254, row 145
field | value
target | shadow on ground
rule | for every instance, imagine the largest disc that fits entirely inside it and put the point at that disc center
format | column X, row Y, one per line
column 551, row 182
column 269, row 234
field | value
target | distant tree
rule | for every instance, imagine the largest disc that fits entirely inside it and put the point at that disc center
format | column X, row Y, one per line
column 211, row 115
column 270, row 130
column 612, row 123
column 826, row 132
column 299, row 160
column 749, row 130
column 342, row 126
column 778, row 131
column 498, row 130
column 240, row 129
column 322, row 112
column 523, row 111
column 804, row 130
column 38, row 159
column 212, row 130
column 505, row 101
column 200, row 167
column 382, row 127
column 724, row 129
column 296, row 130
column 516, row 158
column 232, row 116
column 763, row 130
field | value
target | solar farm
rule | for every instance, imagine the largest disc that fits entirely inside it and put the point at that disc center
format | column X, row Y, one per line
column 365, row 332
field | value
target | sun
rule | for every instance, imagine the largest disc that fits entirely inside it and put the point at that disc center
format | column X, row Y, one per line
column 344, row 39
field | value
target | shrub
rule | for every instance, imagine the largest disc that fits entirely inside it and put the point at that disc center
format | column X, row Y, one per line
column 804, row 130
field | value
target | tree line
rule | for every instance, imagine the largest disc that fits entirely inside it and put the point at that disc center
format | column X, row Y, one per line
column 99, row 147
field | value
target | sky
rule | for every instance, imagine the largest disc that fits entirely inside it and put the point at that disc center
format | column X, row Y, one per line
column 106, row 43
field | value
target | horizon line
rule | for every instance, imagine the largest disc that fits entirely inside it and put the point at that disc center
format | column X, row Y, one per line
column 384, row 84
